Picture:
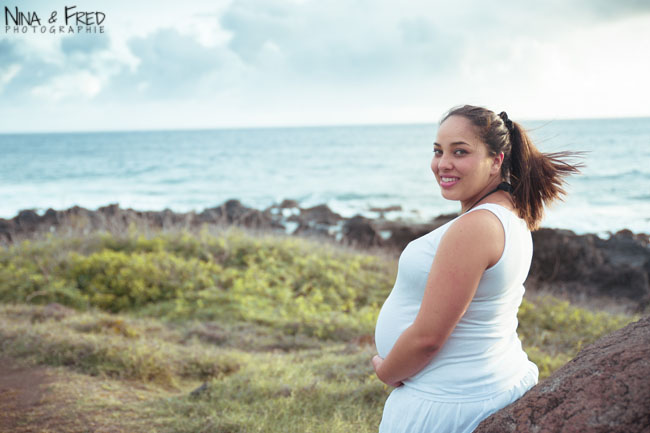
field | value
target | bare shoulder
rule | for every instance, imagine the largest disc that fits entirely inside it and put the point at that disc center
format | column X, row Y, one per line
column 481, row 223
column 478, row 233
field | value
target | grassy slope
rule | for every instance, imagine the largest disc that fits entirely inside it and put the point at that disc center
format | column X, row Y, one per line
column 279, row 328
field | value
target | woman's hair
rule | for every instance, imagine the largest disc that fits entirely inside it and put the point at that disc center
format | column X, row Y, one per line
column 537, row 178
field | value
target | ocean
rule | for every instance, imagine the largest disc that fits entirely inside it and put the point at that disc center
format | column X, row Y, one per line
column 350, row 168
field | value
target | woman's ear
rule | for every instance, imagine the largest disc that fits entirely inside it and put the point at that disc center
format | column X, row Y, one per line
column 497, row 161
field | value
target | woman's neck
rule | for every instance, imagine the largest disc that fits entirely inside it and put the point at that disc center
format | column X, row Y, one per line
column 497, row 191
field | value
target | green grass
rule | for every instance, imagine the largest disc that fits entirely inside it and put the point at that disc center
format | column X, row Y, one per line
column 278, row 328
column 328, row 387
column 115, row 346
column 297, row 286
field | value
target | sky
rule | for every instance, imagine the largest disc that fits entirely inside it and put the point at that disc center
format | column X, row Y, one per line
column 265, row 63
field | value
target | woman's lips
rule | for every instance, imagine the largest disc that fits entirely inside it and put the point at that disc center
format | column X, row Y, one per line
column 448, row 181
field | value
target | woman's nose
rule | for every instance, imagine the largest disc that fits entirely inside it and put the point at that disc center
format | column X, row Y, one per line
column 444, row 163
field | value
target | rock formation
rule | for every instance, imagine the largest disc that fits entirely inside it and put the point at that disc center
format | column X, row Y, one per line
column 605, row 389
column 618, row 267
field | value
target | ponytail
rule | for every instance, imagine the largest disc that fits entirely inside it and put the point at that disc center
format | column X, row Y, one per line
column 537, row 178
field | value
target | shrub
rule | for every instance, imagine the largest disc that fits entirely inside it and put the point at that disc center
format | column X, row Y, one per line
column 115, row 281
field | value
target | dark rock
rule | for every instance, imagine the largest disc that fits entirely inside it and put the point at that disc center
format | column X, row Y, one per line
column 280, row 214
column 296, row 218
column 316, row 221
column 320, row 214
column 7, row 227
column 286, row 203
column 606, row 388
column 167, row 219
column 359, row 231
column 232, row 212
column 616, row 267
column 51, row 217
column 624, row 248
column 381, row 211
column 27, row 220
column 80, row 218
column 111, row 210
column 563, row 255
column 622, row 281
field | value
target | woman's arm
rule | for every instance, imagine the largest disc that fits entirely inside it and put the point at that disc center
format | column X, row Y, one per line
column 471, row 245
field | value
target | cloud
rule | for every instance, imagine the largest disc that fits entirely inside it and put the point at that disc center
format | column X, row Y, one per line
column 340, row 41
column 7, row 74
column 20, row 70
column 173, row 65
column 607, row 10
column 356, row 43
column 8, row 52
column 70, row 72
column 79, row 84
column 9, row 67
column 307, row 61
column 83, row 44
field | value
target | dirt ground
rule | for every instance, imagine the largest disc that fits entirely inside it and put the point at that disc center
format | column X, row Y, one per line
column 29, row 403
column 40, row 399
column 45, row 399
column 23, row 391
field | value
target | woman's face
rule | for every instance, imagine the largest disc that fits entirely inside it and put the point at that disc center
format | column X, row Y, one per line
column 461, row 162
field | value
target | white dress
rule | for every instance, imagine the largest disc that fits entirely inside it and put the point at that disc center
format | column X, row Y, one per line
column 482, row 366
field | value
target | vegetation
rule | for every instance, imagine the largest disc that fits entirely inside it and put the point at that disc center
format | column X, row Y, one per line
column 288, row 283
column 278, row 329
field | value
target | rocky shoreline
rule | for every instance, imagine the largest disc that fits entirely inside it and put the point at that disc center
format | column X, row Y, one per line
column 576, row 265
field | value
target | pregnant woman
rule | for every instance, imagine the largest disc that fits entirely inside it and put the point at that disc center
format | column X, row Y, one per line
column 447, row 334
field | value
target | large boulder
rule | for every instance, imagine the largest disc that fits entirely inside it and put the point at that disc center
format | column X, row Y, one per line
column 606, row 388
column 617, row 267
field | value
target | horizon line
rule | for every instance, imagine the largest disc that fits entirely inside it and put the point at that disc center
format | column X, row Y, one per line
column 305, row 126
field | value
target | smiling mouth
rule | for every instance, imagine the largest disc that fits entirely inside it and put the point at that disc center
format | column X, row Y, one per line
column 447, row 181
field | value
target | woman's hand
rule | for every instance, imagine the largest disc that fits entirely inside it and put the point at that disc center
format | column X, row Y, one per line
column 376, row 363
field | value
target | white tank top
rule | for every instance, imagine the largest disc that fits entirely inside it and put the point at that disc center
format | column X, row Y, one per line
column 483, row 355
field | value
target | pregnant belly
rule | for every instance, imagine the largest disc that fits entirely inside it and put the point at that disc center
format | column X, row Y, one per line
column 393, row 319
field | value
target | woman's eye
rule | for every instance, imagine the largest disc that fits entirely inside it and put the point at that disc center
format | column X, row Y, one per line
column 460, row 152
column 437, row 152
